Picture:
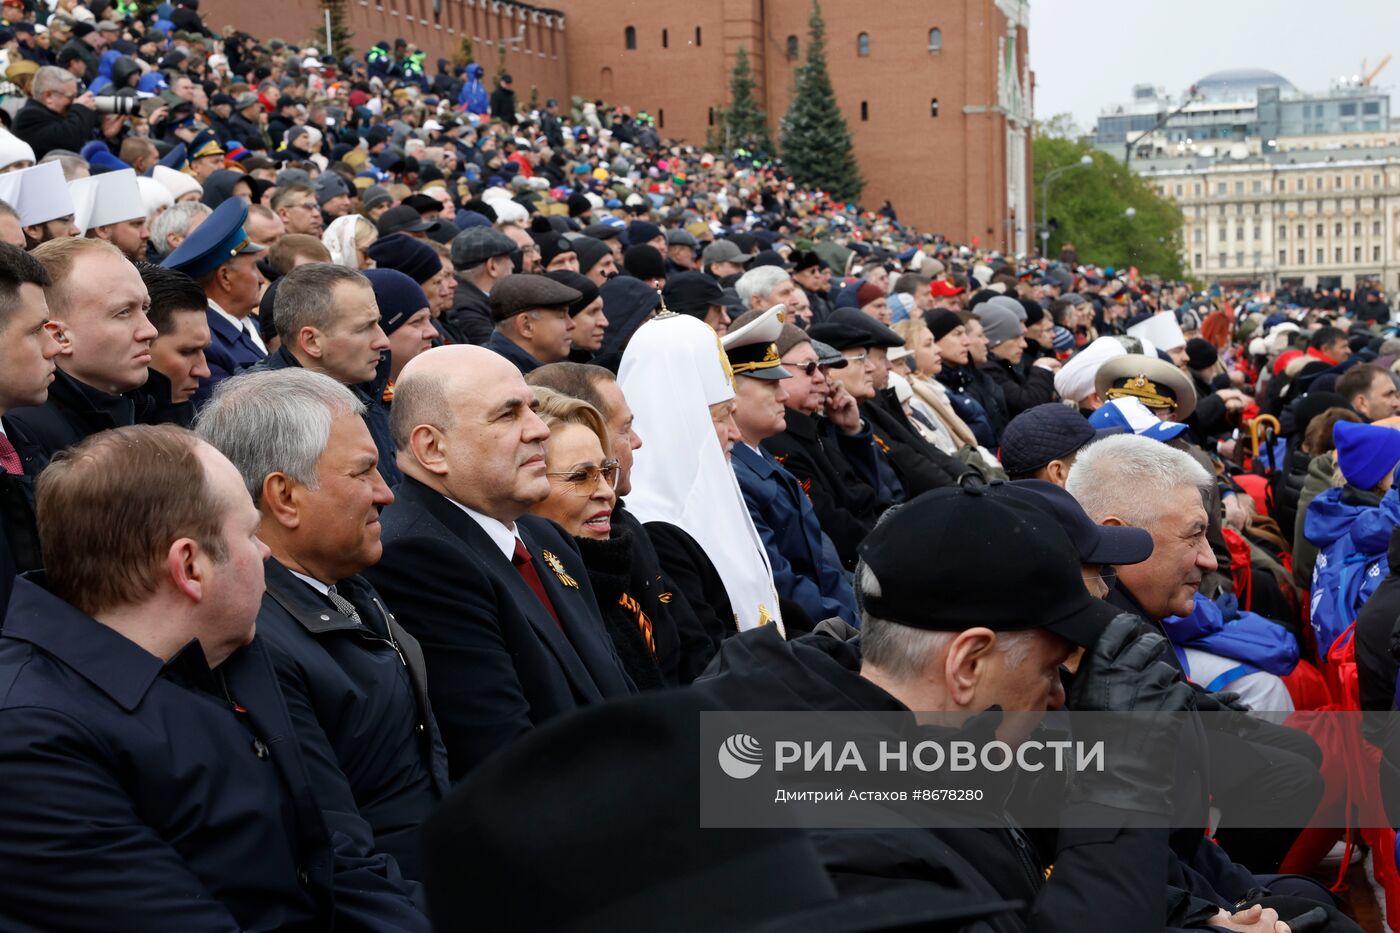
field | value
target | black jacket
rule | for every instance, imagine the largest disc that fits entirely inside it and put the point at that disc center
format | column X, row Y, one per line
column 73, row 411
column 687, row 570
column 163, row 793
column 630, row 621
column 45, row 130
column 1118, row 876
column 470, row 313
column 358, row 697
column 376, row 414
column 503, row 105
column 498, row 664
column 920, row 465
column 19, row 534
column 248, row 133
column 1378, row 637
column 1021, row 389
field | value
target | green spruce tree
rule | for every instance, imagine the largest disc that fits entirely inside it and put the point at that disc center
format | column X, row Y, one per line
column 816, row 142
column 744, row 124
column 340, row 33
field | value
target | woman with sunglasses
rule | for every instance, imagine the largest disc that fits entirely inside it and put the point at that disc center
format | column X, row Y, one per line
column 581, row 471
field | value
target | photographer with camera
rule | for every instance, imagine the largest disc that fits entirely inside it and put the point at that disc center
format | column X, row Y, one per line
column 56, row 115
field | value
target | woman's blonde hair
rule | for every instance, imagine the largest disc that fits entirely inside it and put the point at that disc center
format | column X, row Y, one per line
column 556, row 408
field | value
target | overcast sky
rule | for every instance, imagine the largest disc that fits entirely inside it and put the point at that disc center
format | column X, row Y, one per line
column 1088, row 53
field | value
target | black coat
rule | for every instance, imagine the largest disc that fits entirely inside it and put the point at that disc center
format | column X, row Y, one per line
column 19, row 534
column 1118, row 876
column 630, row 622
column 920, row 465
column 167, row 795
column 846, row 507
column 248, row 133
column 1378, row 636
column 358, row 697
column 45, row 130
column 688, row 570
column 470, row 314
column 503, row 105
column 1021, row 389
column 498, row 664
column 376, row 416
column 73, row 412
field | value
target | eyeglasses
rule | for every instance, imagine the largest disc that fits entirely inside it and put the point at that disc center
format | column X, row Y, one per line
column 806, row 369
column 856, row 359
column 307, row 205
column 585, row 480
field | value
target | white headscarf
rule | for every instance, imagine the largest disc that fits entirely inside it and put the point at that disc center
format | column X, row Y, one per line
column 672, row 370
column 339, row 238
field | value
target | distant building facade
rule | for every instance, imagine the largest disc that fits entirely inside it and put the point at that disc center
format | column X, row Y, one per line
column 938, row 97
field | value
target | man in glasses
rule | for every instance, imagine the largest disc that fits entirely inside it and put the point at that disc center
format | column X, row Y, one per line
column 499, row 599
column 806, row 569
column 297, row 206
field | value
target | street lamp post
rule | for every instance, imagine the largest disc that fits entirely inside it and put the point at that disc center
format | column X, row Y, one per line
column 1050, row 176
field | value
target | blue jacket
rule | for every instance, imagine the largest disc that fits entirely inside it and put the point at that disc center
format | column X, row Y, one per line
column 376, row 414
column 512, row 351
column 1221, row 628
column 165, row 794
column 358, row 697
column 1351, row 529
column 806, row 567
column 230, row 351
column 474, row 96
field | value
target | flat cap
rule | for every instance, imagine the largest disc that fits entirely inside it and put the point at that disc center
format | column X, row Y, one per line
column 1043, row 433
column 828, row 356
column 588, row 292
column 724, row 251
column 475, row 245
column 527, row 291
column 845, row 328
column 681, row 238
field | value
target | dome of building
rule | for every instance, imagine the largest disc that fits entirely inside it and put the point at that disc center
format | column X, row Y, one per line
column 1241, row 84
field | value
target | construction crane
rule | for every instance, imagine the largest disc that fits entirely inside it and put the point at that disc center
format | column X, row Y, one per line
column 1368, row 76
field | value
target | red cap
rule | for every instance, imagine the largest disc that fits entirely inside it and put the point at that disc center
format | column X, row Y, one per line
column 941, row 288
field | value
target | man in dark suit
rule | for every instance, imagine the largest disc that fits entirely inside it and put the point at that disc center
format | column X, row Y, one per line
column 97, row 301
column 220, row 257
column 354, row 680
column 27, row 350
column 149, row 763
column 499, row 600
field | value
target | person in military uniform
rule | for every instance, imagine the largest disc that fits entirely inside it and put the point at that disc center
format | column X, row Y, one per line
column 806, row 568
column 533, row 323
column 220, row 257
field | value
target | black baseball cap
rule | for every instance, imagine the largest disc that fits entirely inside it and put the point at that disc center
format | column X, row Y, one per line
column 1102, row 545
column 957, row 558
column 1043, row 433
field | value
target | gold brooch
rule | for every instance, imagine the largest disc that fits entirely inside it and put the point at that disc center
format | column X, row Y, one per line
column 559, row 571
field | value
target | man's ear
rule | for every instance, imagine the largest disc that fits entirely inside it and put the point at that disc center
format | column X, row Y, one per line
column 965, row 663
column 278, row 502
column 428, row 445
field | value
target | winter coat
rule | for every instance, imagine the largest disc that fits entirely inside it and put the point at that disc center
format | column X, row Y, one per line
column 470, row 313
column 1318, row 478
column 73, row 411
column 1351, row 529
column 629, row 622
column 503, row 105
column 1021, row 389
column 474, row 97
column 45, row 130
column 1377, row 629
column 958, row 380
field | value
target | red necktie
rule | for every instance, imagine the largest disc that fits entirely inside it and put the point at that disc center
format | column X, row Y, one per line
column 526, row 565
column 9, row 457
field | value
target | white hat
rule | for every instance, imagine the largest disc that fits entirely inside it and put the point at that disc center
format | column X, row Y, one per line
column 13, row 149
column 432, row 125
column 37, row 194
column 1075, row 380
column 109, row 198
column 310, row 63
column 154, row 195
column 1162, row 329
column 176, row 182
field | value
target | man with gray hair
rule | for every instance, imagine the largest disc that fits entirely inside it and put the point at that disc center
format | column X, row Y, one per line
column 175, row 223
column 354, row 680
column 327, row 319
column 56, row 116
column 766, row 286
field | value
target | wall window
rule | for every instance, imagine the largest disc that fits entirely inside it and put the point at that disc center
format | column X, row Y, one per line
column 864, row 111
column 1220, row 187
column 1283, row 233
column 1376, row 227
column 863, row 44
column 1301, row 232
column 1257, row 187
column 935, row 40
column 1337, row 230
column 1338, row 253
column 1196, row 235
column 1320, row 253
column 1258, row 232
column 791, row 47
column 1302, row 257
column 1282, row 256
column 1375, row 254
column 1239, row 187
column 1196, row 189
column 933, row 107
column 629, row 37
column 1320, row 230
column 661, row 117
column 1356, row 254
column 697, row 36
column 1239, row 233
column 1222, row 263
column 1239, row 259
column 1356, row 229
column 665, row 38
column 1197, row 263
column 1178, row 191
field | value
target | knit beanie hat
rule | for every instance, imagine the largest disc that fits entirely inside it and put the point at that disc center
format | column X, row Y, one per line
column 401, row 252
column 399, row 297
column 1201, row 354
column 1366, row 452
column 1000, row 324
column 867, row 293
column 941, row 322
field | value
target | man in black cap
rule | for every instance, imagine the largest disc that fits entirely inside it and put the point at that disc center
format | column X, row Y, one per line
column 645, row 263
column 646, row 233
column 918, row 465
column 943, row 612
column 1041, row 442
column 590, row 323
column 401, row 219
column 697, row 295
column 595, row 259
column 813, row 276
column 503, row 100
column 608, row 234
column 681, row 249
column 482, row 257
column 533, row 324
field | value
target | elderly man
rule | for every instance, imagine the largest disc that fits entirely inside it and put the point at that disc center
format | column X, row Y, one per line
column 56, row 116
column 482, row 257
column 98, row 305
column 1142, row 483
column 327, row 321
column 220, row 257
column 354, row 680
column 766, row 286
column 533, row 323
column 178, row 366
column 499, row 599
column 806, row 569
column 145, row 749
column 170, row 228
column 27, row 351
column 1019, row 576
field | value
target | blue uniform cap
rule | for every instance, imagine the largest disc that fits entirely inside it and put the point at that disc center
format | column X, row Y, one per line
column 214, row 242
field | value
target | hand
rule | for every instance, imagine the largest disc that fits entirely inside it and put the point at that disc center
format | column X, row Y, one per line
column 112, row 124
column 1047, row 362
column 1254, row 919
column 842, row 410
column 86, row 99
column 158, row 115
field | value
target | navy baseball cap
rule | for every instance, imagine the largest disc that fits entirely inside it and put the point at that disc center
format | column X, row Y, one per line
column 1104, row 545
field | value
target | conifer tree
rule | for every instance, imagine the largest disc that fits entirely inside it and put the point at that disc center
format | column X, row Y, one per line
column 816, row 142
column 744, row 123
